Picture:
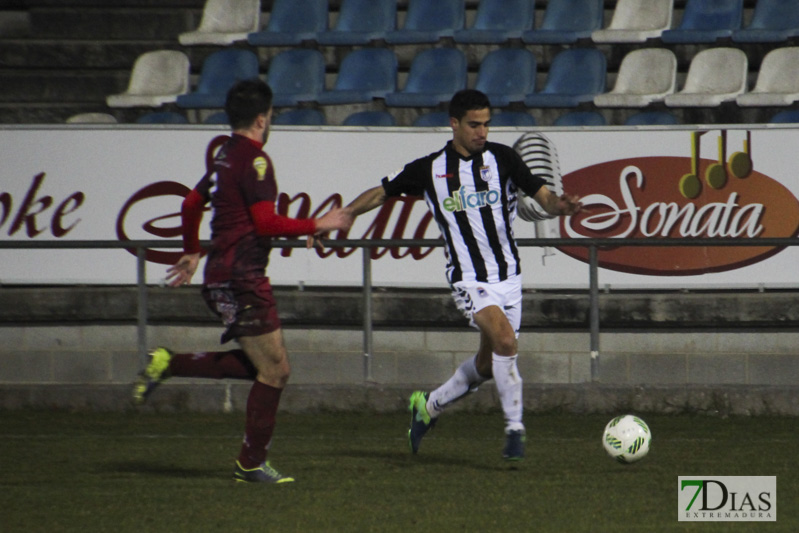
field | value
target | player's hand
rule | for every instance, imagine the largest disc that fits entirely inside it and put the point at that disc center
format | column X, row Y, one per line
column 338, row 218
column 314, row 241
column 182, row 272
column 569, row 204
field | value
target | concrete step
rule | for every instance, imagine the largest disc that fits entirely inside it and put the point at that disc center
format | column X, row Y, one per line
column 75, row 54
column 112, row 23
column 60, row 86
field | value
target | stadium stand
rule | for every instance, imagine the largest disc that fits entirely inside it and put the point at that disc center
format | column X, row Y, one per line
column 157, row 78
column 706, row 21
column 363, row 75
column 566, row 21
column 224, row 22
column 92, row 118
column 435, row 75
column 494, row 80
column 512, row 118
column 370, row 118
column 429, row 21
column 789, row 116
column 645, row 76
column 162, row 117
column 292, row 22
column 581, row 118
column 296, row 75
column 360, row 22
column 635, row 21
column 220, row 117
column 651, row 118
column 432, row 119
column 777, row 80
column 576, row 75
column 497, row 21
column 715, row 75
column 773, row 21
column 300, row 117
column 220, row 71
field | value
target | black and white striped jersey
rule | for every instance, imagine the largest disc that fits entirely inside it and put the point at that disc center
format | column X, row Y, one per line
column 473, row 200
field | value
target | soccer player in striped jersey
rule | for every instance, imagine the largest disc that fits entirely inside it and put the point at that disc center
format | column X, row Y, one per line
column 242, row 191
column 471, row 188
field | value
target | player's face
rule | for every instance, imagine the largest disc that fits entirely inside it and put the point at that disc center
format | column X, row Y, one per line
column 470, row 133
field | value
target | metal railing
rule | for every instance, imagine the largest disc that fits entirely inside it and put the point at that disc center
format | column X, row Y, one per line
column 593, row 245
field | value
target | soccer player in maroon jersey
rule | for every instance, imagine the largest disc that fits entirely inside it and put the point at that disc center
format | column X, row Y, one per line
column 242, row 191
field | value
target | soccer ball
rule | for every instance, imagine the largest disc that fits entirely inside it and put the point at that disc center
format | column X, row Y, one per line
column 627, row 439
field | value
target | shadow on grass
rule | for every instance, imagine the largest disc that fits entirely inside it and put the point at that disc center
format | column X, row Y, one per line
column 407, row 460
column 158, row 470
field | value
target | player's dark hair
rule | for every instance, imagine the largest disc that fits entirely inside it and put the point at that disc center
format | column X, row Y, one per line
column 245, row 101
column 467, row 100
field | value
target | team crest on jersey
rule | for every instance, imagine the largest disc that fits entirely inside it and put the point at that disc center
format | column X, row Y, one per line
column 260, row 165
column 485, row 173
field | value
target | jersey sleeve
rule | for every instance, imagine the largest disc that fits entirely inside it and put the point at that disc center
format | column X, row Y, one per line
column 409, row 181
column 518, row 171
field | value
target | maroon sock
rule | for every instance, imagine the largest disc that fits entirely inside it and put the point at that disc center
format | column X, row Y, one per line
column 261, row 409
column 216, row 365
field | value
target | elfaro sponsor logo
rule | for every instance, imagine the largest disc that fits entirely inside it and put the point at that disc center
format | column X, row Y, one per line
column 461, row 200
column 727, row 498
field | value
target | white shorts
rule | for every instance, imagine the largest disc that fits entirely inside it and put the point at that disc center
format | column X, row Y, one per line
column 472, row 296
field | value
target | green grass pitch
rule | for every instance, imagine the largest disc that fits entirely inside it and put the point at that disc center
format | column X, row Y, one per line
column 150, row 472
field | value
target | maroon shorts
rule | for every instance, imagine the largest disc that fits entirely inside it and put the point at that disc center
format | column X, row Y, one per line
column 247, row 307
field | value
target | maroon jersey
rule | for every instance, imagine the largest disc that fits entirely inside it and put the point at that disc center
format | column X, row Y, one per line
column 242, row 190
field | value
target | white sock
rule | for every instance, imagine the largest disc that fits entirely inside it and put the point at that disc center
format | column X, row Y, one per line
column 509, row 387
column 466, row 379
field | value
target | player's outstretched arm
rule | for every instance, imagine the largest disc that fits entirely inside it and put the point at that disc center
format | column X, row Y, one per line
column 366, row 201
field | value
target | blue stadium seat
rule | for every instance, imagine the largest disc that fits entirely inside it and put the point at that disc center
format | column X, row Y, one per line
column 512, row 118
column 220, row 71
column 428, row 21
column 651, row 118
column 370, row 118
column 296, row 75
column 360, row 22
column 773, row 21
column 433, row 119
column 705, row 21
column 291, row 22
column 217, row 118
column 507, row 75
column 576, row 75
column 300, row 117
column 789, row 116
column 162, row 117
column 581, row 118
column 434, row 76
column 363, row 75
column 497, row 21
column 566, row 21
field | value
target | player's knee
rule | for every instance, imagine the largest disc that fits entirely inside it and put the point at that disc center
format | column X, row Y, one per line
column 505, row 345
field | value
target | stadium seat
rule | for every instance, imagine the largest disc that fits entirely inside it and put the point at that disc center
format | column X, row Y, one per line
column 715, row 75
column 581, row 118
column 370, row 118
column 777, row 80
column 576, row 75
column 651, row 118
column 220, row 71
column 429, row 21
column 705, row 21
column 92, row 118
column 434, row 76
column 225, row 22
column 300, row 117
column 360, row 22
column 363, row 75
column 566, row 21
column 292, row 22
column 433, row 119
column 217, row 118
column 296, row 75
column 773, row 21
column 157, row 78
column 162, row 117
column 507, row 75
column 512, row 118
column 497, row 21
column 635, row 21
column 645, row 76
column 789, row 116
